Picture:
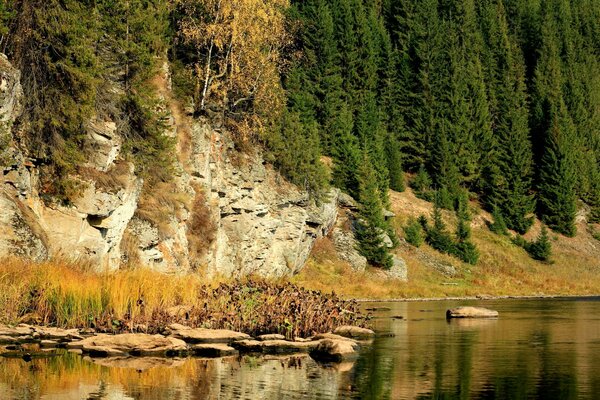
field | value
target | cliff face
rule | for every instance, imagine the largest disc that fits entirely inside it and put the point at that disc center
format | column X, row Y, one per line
column 229, row 213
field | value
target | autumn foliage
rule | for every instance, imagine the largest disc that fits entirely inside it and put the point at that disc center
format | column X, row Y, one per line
column 233, row 51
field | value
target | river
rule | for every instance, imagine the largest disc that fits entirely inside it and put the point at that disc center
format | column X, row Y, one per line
column 537, row 349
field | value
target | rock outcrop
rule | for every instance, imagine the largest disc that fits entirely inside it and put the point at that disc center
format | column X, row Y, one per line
column 233, row 215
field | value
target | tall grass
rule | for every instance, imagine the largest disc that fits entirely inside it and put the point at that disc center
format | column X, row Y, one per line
column 70, row 294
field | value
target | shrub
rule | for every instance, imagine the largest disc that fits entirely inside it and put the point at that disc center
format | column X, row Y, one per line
column 499, row 225
column 540, row 249
column 413, row 232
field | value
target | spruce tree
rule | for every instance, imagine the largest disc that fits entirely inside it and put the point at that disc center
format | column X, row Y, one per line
column 370, row 225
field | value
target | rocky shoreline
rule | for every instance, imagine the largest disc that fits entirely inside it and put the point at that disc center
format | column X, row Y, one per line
column 176, row 340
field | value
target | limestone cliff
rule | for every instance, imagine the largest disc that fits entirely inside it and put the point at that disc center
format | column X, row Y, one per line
column 230, row 213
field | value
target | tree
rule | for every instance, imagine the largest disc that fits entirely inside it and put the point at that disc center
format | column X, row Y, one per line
column 234, row 52
column 370, row 225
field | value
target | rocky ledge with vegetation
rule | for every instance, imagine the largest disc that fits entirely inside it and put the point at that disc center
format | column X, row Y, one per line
column 135, row 316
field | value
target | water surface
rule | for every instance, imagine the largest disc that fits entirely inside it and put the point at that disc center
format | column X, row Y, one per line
column 537, row 349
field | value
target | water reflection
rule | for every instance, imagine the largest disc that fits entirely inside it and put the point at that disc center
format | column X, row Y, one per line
column 536, row 350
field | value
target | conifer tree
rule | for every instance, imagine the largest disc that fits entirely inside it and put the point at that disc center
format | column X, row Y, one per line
column 370, row 225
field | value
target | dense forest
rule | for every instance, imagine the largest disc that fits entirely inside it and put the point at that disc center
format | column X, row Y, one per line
column 494, row 100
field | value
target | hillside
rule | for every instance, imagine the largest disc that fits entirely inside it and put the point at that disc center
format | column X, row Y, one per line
column 503, row 267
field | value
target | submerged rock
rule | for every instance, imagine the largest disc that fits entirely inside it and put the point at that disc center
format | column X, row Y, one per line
column 134, row 344
column 471, row 312
column 354, row 332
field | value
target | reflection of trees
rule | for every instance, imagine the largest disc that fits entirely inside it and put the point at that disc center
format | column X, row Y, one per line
column 374, row 372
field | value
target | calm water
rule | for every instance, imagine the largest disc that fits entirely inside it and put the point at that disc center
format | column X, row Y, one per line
column 538, row 349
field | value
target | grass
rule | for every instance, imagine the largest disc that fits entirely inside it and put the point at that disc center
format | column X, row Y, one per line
column 72, row 295
column 504, row 269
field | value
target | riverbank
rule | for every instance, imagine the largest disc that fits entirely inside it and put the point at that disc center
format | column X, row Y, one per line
column 70, row 295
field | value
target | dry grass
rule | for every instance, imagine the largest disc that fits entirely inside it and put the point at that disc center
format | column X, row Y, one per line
column 71, row 295
column 503, row 269
column 158, row 203
column 115, row 178
column 201, row 227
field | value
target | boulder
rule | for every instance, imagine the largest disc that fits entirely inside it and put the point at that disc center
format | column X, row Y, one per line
column 202, row 335
column 398, row 270
column 354, row 332
column 213, row 350
column 346, row 247
column 134, row 344
column 471, row 312
column 331, row 350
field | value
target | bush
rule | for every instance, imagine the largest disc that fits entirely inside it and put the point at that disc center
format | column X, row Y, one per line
column 499, row 225
column 540, row 249
column 467, row 252
column 413, row 232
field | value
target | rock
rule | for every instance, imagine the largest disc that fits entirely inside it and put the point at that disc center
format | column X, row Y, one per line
column 398, row 270
column 134, row 344
column 331, row 350
column 275, row 346
column 48, row 344
column 62, row 335
column 19, row 330
column 346, row 201
column 387, row 214
column 332, row 336
column 471, row 312
column 202, row 335
column 213, row 350
column 354, row 332
column 346, row 247
column 8, row 340
column 272, row 336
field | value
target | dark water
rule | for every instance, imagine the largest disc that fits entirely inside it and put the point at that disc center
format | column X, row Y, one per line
column 537, row 349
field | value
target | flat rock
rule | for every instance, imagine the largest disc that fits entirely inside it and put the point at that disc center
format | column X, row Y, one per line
column 354, row 332
column 275, row 346
column 471, row 312
column 213, row 350
column 202, row 335
column 135, row 344
column 20, row 330
column 332, row 336
column 271, row 336
column 331, row 350
column 57, row 333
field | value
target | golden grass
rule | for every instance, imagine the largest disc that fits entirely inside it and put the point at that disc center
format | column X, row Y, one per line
column 69, row 294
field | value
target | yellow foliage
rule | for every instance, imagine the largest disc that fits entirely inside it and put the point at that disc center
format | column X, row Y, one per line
column 238, row 44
